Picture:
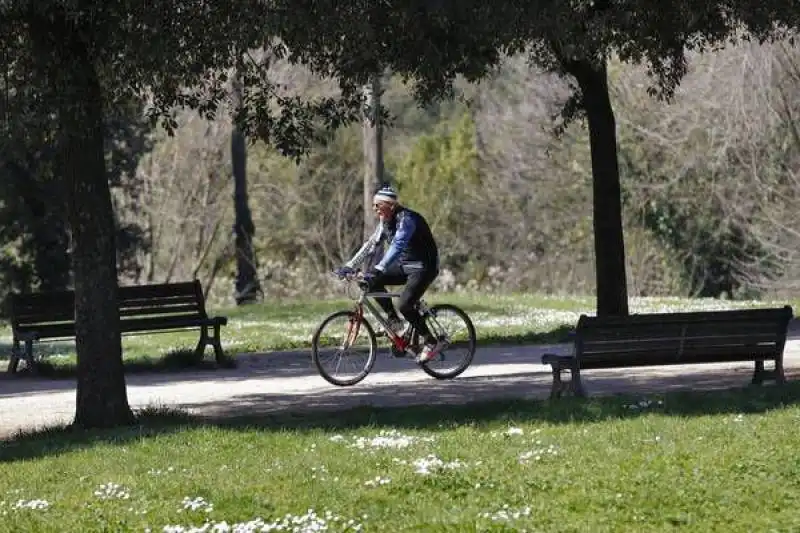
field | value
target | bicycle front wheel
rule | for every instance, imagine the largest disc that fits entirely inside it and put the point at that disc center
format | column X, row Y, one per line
column 452, row 325
column 343, row 348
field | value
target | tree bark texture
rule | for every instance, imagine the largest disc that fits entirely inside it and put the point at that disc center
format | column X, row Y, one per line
column 611, row 280
column 101, row 399
column 248, row 286
column 373, row 152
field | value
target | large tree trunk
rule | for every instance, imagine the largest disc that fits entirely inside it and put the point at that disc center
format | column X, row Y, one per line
column 101, row 399
column 373, row 152
column 248, row 287
column 612, row 290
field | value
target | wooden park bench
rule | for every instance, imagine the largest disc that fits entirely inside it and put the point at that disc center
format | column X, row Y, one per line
column 143, row 309
column 673, row 339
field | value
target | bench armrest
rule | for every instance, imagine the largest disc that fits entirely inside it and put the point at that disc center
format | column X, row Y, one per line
column 27, row 336
column 558, row 360
column 214, row 320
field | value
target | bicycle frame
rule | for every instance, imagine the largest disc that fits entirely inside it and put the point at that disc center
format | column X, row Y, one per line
column 400, row 344
column 364, row 301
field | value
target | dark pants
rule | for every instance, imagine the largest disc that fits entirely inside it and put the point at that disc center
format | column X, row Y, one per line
column 416, row 283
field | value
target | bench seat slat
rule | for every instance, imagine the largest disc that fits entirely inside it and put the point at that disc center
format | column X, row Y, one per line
column 150, row 310
column 178, row 322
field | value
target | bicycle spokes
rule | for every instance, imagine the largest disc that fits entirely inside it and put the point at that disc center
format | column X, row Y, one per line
column 344, row 347
column 450, row 328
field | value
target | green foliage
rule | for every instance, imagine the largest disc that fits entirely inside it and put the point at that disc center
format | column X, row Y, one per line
column 311, row 211
column 439, row 178
column 678, row 203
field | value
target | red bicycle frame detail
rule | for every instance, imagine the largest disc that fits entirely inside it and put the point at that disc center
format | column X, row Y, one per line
column 399, row 342
column 355, row 325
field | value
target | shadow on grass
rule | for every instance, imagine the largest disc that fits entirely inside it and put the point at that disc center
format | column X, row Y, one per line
column 157, row 421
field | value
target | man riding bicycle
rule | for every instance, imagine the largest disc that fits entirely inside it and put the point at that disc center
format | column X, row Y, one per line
column 412, row 259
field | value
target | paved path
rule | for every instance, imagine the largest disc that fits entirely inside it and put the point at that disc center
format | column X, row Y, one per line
column 288, row 381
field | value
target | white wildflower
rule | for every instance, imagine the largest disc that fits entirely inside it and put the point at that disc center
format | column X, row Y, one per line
column 108, row 491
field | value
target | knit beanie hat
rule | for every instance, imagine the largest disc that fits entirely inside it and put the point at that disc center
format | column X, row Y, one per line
column 385, row 194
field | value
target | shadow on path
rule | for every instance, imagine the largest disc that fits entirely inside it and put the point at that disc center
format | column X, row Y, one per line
column 526, row 386
column 275, row 365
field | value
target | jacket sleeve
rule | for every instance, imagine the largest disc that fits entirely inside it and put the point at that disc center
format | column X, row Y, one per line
column 405, row 229
column 367, row 249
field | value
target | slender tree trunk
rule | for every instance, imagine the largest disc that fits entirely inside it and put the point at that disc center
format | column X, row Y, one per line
column 248, row 286
column 612, row 289
column 101, row 394
column 373, row 151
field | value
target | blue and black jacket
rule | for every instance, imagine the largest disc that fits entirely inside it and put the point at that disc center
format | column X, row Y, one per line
column 411, row 244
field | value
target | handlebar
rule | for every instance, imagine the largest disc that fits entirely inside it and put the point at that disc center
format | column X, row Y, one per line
column 356, row 276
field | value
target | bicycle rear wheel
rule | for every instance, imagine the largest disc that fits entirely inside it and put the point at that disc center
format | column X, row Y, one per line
column 452, row 325
column 344, row 340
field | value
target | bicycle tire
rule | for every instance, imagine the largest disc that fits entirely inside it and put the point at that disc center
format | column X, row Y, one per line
column 472, row 344
column 315, row 350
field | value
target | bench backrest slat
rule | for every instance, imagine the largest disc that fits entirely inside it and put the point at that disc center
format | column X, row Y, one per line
column 41, row 308
column 672, row 337
column 184, row 299
column 54, row 313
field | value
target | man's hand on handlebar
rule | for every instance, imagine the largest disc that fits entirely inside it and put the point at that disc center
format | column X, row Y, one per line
column 345, row 272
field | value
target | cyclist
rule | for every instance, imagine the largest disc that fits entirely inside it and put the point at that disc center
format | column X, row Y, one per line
column 412, row 259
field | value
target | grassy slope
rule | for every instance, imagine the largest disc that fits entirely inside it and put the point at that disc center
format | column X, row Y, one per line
column 701, row 462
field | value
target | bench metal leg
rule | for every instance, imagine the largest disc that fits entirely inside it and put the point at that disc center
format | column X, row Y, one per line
column 13, row 361
column 558, row 386
column 573, row 386
column 18, row 354
column 212, row 340
column 219, row 353
column 760, row 374
column 29, row 356
column 575, row 382
column 780, row 377
column 200, row 350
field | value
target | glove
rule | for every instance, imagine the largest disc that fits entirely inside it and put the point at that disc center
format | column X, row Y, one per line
column 343, row 272
column 372, row 278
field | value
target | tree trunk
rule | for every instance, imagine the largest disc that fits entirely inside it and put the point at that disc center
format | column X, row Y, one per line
column 612, row 290
column 101, row 395
column 248, row 286
column 373, row 152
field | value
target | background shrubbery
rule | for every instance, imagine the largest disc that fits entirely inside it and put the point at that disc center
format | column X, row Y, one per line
column 710, row 188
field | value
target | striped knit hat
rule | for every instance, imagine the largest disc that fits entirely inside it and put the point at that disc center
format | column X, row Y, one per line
column 385, row 194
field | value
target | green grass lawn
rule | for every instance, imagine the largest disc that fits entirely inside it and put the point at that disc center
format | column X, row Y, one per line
column 285, row 325
column 699, row 462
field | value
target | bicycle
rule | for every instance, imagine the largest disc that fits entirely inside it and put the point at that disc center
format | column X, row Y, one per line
column 406, row 345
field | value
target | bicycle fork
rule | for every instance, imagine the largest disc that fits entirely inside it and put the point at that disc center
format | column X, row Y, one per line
column 353, row 328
